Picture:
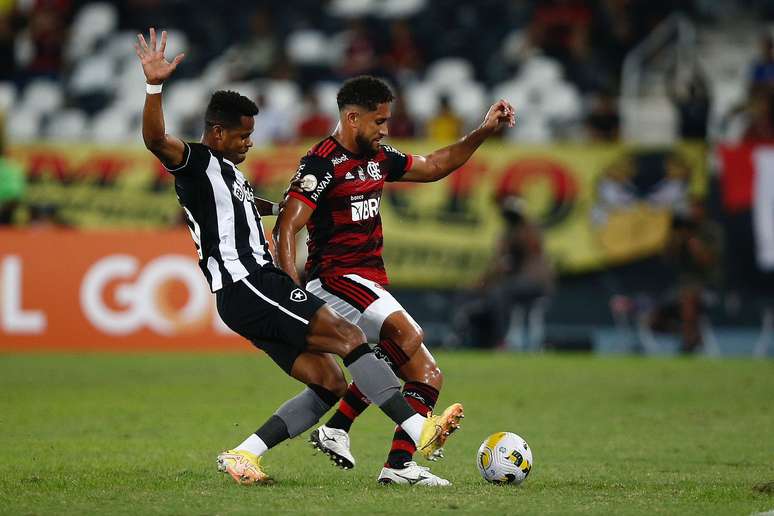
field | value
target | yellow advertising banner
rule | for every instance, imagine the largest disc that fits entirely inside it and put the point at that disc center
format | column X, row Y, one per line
column 597, row 204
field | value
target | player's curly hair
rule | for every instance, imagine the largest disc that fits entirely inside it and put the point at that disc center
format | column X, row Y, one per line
column 364, row 91
column 226, row 108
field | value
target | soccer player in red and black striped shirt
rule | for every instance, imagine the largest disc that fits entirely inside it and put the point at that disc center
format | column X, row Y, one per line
column 336, row 193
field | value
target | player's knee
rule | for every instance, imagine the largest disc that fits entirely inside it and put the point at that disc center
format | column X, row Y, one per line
column 411, row 340
column 437, row 374
column 351, row 336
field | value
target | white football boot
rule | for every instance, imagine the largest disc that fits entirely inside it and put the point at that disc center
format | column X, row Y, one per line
column 413, row 475
column 333, row 442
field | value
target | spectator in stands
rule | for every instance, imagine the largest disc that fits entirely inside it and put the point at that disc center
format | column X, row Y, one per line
column 602, row 121
column 693, row 255
column 760, row 116
column 273, row 126
column 692, row 102
column 762, row 73
column 514, row 289
column 48, row 24
column 403, row 58
column 446, row 125
column 401, row 124
column 359, row 52
column 254, row 57
column 315, row 122
column 12, row 184
column 554, row 24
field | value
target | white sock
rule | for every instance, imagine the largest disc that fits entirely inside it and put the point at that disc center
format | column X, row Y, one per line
column 254, row 445
column 413, row 427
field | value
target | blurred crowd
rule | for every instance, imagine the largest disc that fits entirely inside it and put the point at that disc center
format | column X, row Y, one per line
column 562, row 60
column 580, row 44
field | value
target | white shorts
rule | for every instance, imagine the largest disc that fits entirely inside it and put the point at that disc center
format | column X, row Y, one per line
column 362, row 302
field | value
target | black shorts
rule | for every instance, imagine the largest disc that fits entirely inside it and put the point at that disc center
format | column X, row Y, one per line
column 271, row 311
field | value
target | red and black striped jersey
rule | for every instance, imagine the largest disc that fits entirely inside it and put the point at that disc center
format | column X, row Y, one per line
column 345, row 191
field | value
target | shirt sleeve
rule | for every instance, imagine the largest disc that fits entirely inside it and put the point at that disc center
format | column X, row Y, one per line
column 196, row 157
column 398, row 163
column 313, row 178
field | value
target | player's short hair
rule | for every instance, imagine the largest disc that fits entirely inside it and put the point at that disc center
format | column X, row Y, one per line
column 364, row 91
column 227, row 108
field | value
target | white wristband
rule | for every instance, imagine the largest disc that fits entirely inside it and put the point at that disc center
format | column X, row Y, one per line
column 275, row 209
column 153, row 89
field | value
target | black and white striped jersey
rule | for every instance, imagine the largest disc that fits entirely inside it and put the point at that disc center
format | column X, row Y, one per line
column 221, row 214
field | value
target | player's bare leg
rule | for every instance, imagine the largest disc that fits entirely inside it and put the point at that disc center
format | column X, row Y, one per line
column 417, row 367
column 325, row 385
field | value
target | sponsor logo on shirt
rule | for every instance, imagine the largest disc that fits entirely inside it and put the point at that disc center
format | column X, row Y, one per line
column 341, row 159
column 308, row 183
column 365, row 209
column 243, row 191
column 322, row 185
column 349, row 176
column 298, row 295
column 373, row 171
column 393, row 150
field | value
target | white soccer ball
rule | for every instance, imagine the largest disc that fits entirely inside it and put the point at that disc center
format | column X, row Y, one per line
column 504, row 458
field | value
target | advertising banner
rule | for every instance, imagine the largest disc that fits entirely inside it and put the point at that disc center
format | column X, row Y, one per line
column 597, row 204
column 120, row 290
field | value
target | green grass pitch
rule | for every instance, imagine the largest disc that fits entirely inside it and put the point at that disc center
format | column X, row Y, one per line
column 138, row 434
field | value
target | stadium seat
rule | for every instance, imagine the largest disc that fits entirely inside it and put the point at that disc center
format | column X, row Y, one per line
column 67, row 125
column 7, row 96
column 114, row 125
column 121, row 45
column 540, row 71
column 445, row 73
column 92, row 22
column 421, row 100
column 532, row 128
column 308, row 47
column 562, row 101
column 93, row 74
column 399, row 8
column 185, row 98
column 468, row 99
column 352, row 8
column 23, row 125
column 326, row 97
column 177, row 43
column 282, row 95
column 42, row 96
column 515, row 92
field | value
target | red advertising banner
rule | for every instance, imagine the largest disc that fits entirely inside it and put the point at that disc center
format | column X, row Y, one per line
column 120, row 290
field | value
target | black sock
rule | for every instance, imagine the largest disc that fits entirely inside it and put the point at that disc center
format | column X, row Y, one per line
column 273, row 431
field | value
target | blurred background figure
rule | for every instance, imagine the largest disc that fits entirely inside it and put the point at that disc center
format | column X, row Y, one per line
column 693, row 256
column 12, row 183
column 446, row 125
column 692, row 102
column 255, row 56
column 314, row 122
column 603, row 122
column 508, row 308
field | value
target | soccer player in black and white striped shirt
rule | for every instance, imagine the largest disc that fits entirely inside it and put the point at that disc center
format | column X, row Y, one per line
column 256, row 299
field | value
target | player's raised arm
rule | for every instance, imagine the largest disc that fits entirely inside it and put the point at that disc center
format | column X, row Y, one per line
column 294, row 216
column 169, row 149
column 443, row 162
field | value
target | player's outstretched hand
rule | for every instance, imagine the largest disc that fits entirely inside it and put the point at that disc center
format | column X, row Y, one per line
column 501, row 114
column 156, row 68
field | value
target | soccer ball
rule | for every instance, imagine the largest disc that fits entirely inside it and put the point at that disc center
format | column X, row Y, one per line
column 504, row 458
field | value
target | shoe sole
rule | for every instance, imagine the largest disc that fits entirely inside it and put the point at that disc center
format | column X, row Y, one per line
column 338, row 460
